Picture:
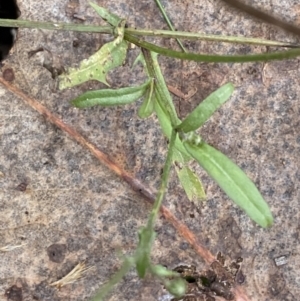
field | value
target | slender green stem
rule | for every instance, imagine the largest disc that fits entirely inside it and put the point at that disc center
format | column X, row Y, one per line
column 164, row 182
column 214, row 58
column 142, row 32
column 116, row 278
column 56, row 26
column 207, row 37
column 162, row 10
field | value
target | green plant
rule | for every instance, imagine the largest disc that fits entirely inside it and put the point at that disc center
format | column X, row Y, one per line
column 184, row 144
column 187, row 144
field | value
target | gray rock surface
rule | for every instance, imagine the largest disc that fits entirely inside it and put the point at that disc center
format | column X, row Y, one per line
column 65, row 207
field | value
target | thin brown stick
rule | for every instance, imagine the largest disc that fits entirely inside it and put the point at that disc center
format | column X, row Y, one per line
column 264, row 16
column 180, row 94
column 135, row 184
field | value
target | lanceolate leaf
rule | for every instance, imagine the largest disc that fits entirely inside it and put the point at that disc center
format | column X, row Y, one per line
column 161, row 90
column 206, row 109
column 110, row 56
column 107, row 16
column 191, row 184
column 232, row 180
column 147, row 107
column 110, row 97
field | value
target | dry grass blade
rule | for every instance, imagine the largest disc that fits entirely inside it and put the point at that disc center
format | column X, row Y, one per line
column 76, row 274
column 9, row 248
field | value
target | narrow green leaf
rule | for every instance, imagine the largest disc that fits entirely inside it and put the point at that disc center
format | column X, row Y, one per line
column 182, row 158
column 140, row 59
column 110, row 56
column 206, row 109
column 110, row 97
column 191, row 184
column 161, row 90
column 107, row 16
column 232, row 180
column 147, row 107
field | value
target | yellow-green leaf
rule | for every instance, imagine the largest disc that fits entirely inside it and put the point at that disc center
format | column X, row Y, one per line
column 110, row 97
column 206, row 109
column 232, row 180
column 147, row 106
column 110, row 56
column 191, row 184
column 107, row 16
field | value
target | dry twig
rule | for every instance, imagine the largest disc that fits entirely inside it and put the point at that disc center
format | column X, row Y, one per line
column 135, row 184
